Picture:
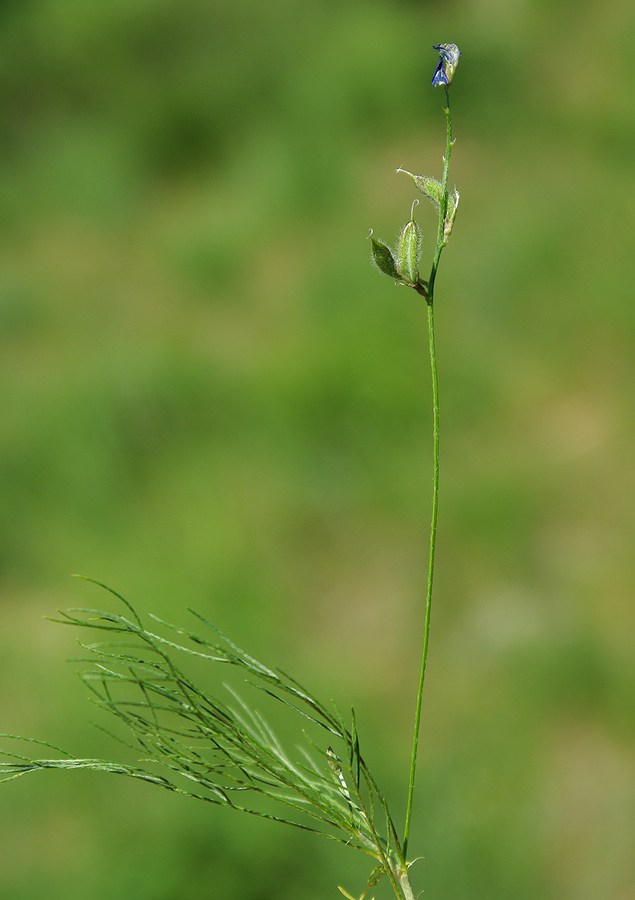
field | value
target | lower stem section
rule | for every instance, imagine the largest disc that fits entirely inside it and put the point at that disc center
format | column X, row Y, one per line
column 401, row 876
column 432, row 549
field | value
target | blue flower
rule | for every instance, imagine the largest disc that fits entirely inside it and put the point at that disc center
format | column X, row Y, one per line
column 448, row 61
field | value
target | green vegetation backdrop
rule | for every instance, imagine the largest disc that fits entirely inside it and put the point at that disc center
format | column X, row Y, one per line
column 210, row 399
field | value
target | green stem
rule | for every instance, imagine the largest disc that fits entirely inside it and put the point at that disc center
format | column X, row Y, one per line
column 402, row 888
column 406, row 887
column 449, row 143
column 435, row 468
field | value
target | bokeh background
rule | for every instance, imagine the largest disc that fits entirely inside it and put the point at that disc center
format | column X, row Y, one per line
column 210, row 399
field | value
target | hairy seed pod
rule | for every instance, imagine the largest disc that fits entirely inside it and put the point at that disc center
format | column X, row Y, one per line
column 432, row 189
column 428, row 186
column 409, row 250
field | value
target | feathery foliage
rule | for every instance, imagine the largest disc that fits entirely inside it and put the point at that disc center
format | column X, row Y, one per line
column 221, row 749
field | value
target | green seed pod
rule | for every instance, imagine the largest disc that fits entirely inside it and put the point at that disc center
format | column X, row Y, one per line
column 429, row 186
column 409, row 249
column 433, row 190
column 384, row 259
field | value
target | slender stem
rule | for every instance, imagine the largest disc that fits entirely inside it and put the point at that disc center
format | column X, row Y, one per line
column 431, row 557
column 435, row 467
column 404, row 891
column 406, row 887
column 449, row 143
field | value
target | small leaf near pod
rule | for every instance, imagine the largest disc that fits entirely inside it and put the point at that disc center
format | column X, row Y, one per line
column 384, row 259
column 409, row 249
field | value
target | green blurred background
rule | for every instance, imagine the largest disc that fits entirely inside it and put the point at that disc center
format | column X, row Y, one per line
column 210, row 399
